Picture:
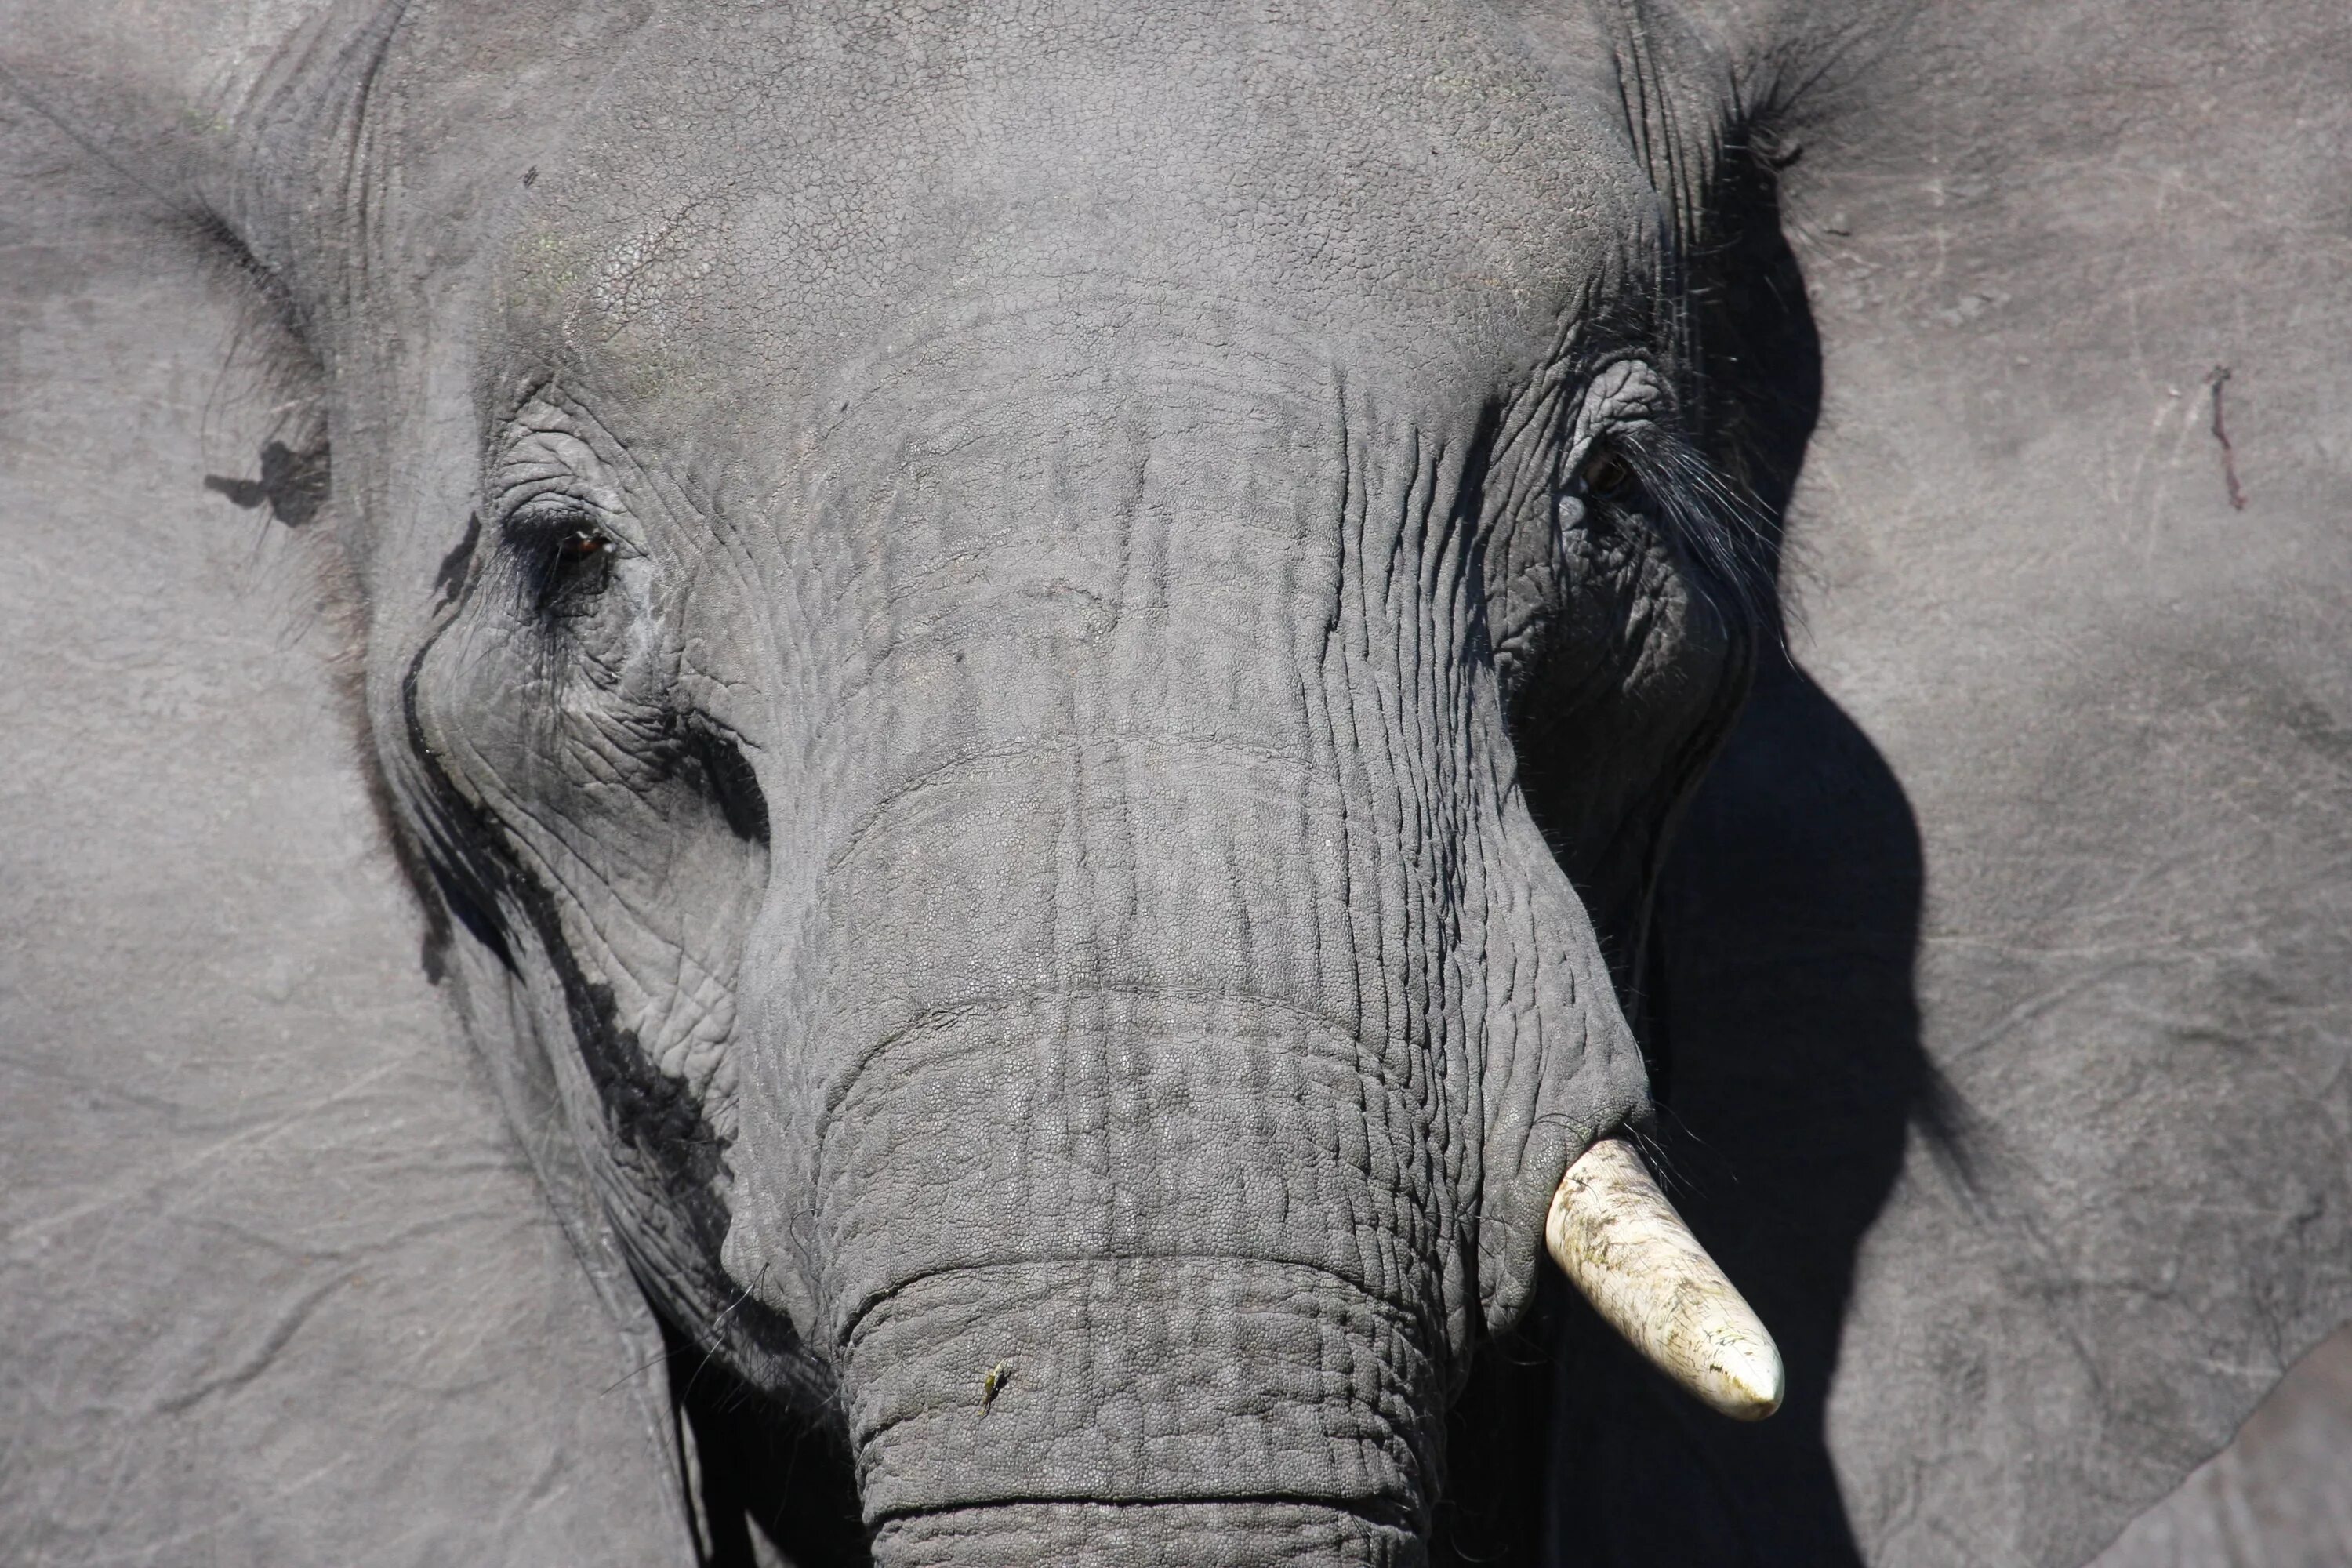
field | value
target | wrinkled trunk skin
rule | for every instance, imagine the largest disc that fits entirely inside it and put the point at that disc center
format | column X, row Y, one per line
column 1158, row 990
column 1167, row 1535
column 1094, row 1223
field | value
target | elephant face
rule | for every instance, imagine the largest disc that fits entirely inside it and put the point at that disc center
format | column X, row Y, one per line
column 1076, row 643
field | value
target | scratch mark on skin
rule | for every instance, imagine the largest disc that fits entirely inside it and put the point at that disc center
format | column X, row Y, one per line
column 192, row 1171
column 281, row 1333
column 2219, row 379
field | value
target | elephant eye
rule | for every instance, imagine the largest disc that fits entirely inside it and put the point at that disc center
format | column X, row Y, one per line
column 563, row 556
column 1606, row 476
column 575, row 564
column 581, row 545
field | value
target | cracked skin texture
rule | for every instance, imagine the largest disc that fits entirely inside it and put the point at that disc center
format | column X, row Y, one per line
column 1053, row 893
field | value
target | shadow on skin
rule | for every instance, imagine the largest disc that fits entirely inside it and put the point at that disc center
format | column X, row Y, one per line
column 1784, row 1010
column 759, row 1471
column 1782, row 1024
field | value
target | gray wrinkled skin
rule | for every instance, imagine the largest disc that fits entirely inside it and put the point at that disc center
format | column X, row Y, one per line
column 1031, row 668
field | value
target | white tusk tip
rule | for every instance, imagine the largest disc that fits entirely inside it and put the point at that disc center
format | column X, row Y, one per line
column 1613, row 1233
column 1752, row 1382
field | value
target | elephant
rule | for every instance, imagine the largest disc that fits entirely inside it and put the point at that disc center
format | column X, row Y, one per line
column 844, row 783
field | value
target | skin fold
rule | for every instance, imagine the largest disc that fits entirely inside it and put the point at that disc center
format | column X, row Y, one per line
column 1031, row 672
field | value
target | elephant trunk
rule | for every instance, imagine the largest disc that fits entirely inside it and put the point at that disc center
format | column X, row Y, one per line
column 1128, row 1218
column 1173, row 1023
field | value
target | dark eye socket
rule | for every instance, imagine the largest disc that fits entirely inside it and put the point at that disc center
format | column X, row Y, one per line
column 1606, row 476
column 561, row 554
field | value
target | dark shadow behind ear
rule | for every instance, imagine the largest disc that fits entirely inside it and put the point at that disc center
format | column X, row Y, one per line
column 1781, row 993
column 1778, row 1003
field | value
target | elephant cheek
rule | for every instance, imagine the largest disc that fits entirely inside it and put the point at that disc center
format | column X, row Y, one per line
column 1562, row 1067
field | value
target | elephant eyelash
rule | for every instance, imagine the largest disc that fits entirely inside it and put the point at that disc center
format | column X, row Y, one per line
column 1715, row 524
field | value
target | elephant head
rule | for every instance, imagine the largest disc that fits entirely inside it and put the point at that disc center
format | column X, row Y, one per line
column 1042, row 659
column 1031, row 664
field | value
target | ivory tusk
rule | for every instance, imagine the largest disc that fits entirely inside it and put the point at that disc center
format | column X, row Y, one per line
column 1613, row 1233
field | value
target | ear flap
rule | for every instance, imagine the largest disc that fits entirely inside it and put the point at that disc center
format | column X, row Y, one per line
column 2004, row 957
column 278, row 1283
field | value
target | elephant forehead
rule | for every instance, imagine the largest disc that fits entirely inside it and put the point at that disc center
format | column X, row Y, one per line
column 790, row 186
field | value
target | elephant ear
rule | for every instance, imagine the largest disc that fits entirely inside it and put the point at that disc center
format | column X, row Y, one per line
column 276, row 1284
column 2004, row 964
